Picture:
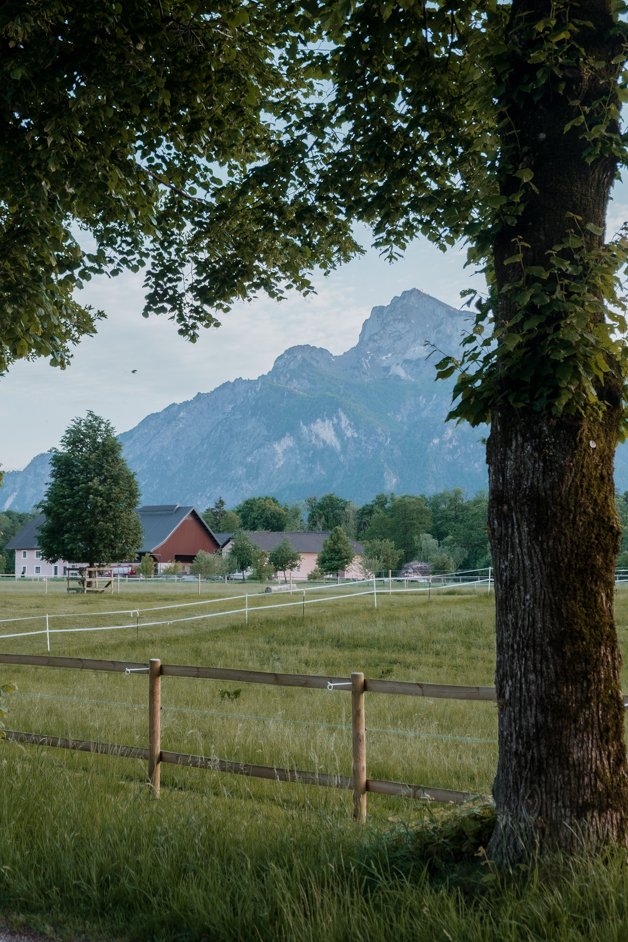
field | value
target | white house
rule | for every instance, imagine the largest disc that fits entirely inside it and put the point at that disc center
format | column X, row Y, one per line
column 308, row 543
column 28, row 559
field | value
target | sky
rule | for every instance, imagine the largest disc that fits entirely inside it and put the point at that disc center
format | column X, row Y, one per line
column 136, row 366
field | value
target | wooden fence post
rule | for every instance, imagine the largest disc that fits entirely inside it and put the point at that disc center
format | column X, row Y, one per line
column 358, row 726
column 154, row 724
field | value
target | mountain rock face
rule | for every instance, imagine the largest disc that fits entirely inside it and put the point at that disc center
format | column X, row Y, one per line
column 367, row 421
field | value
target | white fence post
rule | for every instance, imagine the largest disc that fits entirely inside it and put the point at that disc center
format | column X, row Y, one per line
column 47, row 633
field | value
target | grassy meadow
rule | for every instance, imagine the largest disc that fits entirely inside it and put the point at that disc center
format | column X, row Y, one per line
column 85, row 847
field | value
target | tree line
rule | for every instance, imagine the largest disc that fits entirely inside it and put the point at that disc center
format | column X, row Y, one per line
column 446, row 530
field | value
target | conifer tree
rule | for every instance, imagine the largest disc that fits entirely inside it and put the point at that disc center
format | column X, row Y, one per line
column 336, row 553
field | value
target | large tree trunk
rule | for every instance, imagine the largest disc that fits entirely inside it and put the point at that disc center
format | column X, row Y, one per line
column 562, row 780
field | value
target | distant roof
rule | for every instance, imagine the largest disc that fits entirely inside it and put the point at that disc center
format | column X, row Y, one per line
column 28, row 536
column 301, row 541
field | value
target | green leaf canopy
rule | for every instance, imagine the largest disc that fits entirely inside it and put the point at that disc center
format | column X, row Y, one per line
column 90, row 503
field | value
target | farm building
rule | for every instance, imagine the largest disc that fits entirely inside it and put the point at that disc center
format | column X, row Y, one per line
column 308, row 543
column 174, row 534
column 28, row 558
column 171, row 534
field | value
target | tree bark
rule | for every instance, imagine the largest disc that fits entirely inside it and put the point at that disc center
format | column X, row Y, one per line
column 562, row 778
column 561, row 782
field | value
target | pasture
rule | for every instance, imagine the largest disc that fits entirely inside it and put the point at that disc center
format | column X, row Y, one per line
column 84, row 844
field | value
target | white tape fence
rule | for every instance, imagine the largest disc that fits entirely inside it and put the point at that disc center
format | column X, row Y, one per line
column 246, row 605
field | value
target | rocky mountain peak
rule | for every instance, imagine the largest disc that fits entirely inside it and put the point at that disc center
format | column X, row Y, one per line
column 296, row 358
column 398, row 338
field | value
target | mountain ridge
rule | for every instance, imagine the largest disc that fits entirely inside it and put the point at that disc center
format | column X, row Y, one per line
column 368, row 420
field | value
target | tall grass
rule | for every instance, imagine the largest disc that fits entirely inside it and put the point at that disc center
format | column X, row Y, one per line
column 84, row 847
column 84, row 851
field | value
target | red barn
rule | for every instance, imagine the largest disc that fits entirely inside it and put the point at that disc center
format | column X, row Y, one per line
column 174, row 534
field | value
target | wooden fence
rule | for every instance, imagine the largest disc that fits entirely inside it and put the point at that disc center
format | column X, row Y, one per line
column 357, row 685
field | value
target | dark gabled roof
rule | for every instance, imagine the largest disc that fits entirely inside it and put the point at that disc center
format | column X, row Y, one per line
column 28, row 536
column 301, row 541
column 159, row 521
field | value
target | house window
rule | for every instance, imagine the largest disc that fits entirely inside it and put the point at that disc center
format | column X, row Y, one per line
column 37, row 570
column 55, row 570
column 37, row 554
column 23, row 554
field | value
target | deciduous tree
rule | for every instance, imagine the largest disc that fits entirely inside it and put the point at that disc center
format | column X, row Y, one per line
column 463, row 523
column 262, row 513
column 380, row 556
column 147, row 566
column 203, row 564
column 91, row 500
column 498, row 123
column 402, row 521
column 261, row 569
column 329, row 511
column 283, row 558
column 120, row 124
column 242, row 553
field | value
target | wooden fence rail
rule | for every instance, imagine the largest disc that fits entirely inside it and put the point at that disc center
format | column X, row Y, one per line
column 357, row 685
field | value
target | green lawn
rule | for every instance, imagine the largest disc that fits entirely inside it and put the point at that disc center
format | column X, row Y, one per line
column 83, row 844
